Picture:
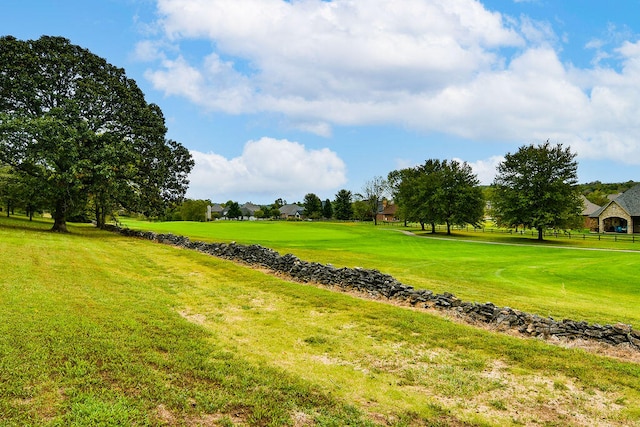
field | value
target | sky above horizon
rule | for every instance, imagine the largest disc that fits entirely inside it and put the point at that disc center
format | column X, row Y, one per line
column 277, row 99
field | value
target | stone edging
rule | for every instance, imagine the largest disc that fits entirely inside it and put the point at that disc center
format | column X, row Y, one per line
column 380, row 285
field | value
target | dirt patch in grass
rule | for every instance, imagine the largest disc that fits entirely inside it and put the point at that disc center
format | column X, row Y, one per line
column 168, row 418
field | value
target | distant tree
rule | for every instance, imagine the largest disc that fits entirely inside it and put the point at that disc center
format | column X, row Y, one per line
column 361, row 210
column 343, row 209
column 372, row 193
column 327, row 209
column 265, row 212
column 597, row 197
column 438, row 192
column 459, row 197
column 233, row 210
column 413, row 191
column 279, row 203
column 536, row 187
column 312, row 206
column 84, row 131
column 19, row 191
column 9, row 189
column 274, row 213
column 194, row 210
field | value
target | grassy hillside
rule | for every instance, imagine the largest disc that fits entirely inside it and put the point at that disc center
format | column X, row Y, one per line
column 98, row 329
column 562, row 282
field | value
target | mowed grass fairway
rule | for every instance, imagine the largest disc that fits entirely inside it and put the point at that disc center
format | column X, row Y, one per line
column 549, row 279
column 99, row 329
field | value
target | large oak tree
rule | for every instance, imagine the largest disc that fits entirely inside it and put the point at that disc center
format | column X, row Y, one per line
column 85, row 132
column 537, row 187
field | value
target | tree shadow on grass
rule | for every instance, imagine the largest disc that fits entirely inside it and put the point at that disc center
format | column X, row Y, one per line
column 44, row 225
column 495, row 239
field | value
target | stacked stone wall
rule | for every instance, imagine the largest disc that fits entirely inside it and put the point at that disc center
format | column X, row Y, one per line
column 383, row 286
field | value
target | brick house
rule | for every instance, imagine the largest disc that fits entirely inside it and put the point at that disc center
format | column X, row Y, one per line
column 620, row 215
column 387, row 211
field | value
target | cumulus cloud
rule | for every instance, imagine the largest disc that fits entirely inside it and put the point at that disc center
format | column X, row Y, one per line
column 449, row 66
column 485, row 169
column 265, row 168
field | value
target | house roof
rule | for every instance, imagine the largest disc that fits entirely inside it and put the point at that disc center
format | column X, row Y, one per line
column 588, row 207
column 629, row 201
column 291, row 210
column 390, row 209
column 249, row 208
column 217, row 207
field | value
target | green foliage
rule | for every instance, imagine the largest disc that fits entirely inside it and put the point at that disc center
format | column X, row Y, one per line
column 312, row 206
column 438, row 192
column 343, row 205
column 361, row 210
column 83, row 131
column 597, row 197
column 233, row 210
column 194, row 210
column 327, row 209
column 536, row 187
column 10, row 192
column 606, row 188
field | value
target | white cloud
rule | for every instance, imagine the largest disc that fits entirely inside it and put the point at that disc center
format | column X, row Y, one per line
column 266, row 169
column 448, row 66
column 485, row 169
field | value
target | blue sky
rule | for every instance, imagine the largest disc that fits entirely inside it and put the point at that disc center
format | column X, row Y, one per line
column 281, row 98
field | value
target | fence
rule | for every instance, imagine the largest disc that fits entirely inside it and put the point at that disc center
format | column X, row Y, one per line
column 568, row 235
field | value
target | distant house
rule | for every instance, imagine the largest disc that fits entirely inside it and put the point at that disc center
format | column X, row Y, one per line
column 387, row 211
column 620, row 215
column 248, row 210
column 215, row 211
column 588, row 209
column 291, row 211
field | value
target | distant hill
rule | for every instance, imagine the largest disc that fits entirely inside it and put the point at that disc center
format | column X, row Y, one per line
column 598, row 192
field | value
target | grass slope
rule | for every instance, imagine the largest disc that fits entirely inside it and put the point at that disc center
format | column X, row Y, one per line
column 547, row 279
column 97, row 329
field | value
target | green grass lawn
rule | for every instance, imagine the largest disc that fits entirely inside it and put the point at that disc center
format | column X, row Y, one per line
column 99, row 329
column 550, row 279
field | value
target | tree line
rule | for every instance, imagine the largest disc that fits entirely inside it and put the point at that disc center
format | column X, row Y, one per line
column 535, row 187
column 78, row 139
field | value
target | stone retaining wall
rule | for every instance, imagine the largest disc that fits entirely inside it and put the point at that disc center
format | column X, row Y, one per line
column 380, row 285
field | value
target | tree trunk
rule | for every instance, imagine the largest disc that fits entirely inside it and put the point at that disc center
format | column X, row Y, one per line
column 97, row 213
column 433, row 228
column 422, row 225
column 448, row 228
column 60, row 218
column 540, row 234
